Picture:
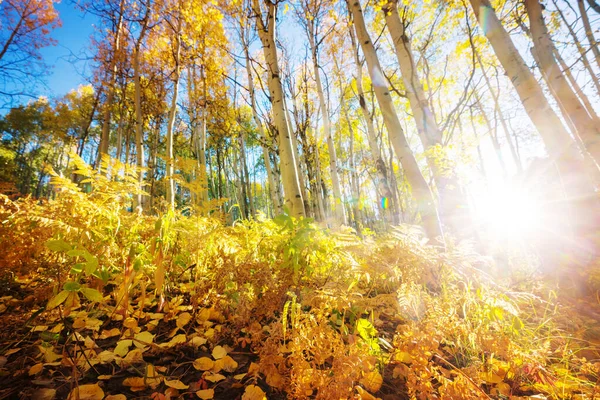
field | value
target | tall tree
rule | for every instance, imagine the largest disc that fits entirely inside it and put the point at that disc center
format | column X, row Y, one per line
column 420, row 189
column 310, row 15
column 584, row 123
column 451, row 201
column 265, row 24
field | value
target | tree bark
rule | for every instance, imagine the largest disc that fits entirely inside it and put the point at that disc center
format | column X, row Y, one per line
column 266, row 32
column 338, row 206
column 171, row 123
column 588, row 31
column 451, row 201
column 420, row 189
column 383, row 185
column 575, row 111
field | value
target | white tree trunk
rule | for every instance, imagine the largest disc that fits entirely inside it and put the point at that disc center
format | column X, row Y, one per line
column 421, row 191
column 266, row 32
column 575, row 111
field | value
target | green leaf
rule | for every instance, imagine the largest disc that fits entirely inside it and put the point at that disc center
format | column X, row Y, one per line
column 72, row 286
column 92, row 294
column 58, row 245
column 76, row 253
column 365, row 329
column 57, row 300
column 91, row 266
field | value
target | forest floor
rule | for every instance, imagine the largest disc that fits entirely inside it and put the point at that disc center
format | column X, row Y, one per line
column 98, row 303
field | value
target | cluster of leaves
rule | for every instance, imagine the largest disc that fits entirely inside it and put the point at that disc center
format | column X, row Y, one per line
column 175, row 305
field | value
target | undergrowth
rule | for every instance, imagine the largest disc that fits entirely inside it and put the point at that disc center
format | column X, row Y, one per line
column 275, row 308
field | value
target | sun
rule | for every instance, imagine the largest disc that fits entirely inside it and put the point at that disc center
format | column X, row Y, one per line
column 509, row 212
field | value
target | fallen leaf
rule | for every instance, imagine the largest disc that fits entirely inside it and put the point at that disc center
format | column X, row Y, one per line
column 134, row 381
column 219, row 352
column 122, row 347
column 142, row 339
column 176, row 384
column 198, row 341
column 203, row 364
column 206, row 394
column 214, row 377
column 115, row 397
column 130, row 323
column 36, row 369
column 109, row 333
column 372, row 381
column 239, row 377
column 87, row 392
column 183, row 319
column 364, row 395
column 253, row 392
column 226, row 363
column 12, row 351
column 179, row 339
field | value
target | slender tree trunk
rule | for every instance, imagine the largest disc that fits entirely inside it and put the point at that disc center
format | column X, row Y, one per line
column 588, row 31
column 575, row 111
column 575, row 85
column 421, row 191
column 139, row 121
column 261, row 131
column 338, row 207
column 580, row 49
column 139, row 134
column 383, row 185
column 171, row 124
column 112, row 72
column 291, row 185
column 451, row 202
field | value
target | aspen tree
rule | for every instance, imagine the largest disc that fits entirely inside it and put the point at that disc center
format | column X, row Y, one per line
column 421, row 192
column 265, row 23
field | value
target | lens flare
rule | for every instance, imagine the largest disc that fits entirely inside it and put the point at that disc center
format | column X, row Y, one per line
column 509, row 212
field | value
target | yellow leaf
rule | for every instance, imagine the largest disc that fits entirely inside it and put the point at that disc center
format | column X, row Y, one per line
column 239, row 377
column 36, row 369
column 490, row 377
column 253, row 369
column 253, row 392
column 130, row 323
column 122, row 347
column 364, row 395
column 197, row 341
column 109, row 333
column 226, row 363
column 403, row 357
column 372, row 381
column 176, row 384
column 179, row 339
column 206, row 394
column 143, row 339
column 134, row 381
column 219, row 352
column 183, row 319
column 87, row 392
column 133, row 357
column 203, row 364
column 214, row 377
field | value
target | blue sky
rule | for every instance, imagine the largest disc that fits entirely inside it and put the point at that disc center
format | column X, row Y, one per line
column 73, row 38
